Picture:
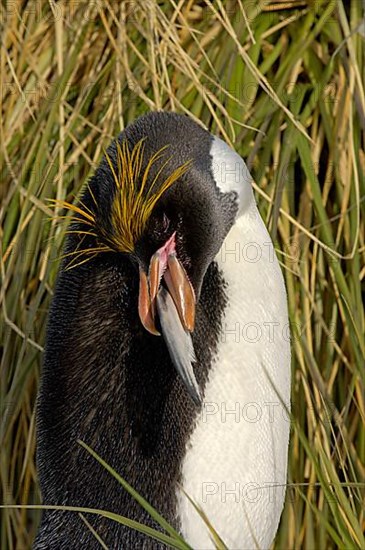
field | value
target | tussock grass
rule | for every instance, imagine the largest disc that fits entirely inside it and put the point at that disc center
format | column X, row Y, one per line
column 280, row 81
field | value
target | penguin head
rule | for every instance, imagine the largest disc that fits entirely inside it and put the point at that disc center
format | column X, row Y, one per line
column 165, row 196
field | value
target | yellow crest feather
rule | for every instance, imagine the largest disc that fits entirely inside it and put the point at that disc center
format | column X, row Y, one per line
column 132, row 205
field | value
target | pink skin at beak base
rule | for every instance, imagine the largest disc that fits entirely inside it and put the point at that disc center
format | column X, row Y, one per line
column 165, row 262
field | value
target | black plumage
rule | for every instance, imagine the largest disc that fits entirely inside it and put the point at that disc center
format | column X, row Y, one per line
column 105, row 379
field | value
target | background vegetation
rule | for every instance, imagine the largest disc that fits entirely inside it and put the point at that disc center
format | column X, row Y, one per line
column 280, row 81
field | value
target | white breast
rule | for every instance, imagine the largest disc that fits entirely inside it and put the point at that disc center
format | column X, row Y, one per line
column 236, row 460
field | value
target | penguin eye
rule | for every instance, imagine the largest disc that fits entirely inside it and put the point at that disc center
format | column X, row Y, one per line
column 159, row 228
column 165, row 222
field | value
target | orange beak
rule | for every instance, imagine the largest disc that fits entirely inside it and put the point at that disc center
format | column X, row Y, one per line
column 165, row 264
